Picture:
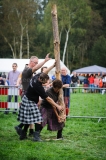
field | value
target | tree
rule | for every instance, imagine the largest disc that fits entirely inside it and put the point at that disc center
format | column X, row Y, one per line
column 17, row 17
column 98, row 52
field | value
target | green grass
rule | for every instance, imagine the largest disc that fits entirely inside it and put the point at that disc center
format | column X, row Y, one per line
column 84, row 139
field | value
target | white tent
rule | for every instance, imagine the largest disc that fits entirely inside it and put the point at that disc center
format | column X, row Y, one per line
column 6, row 65
column 91, row 69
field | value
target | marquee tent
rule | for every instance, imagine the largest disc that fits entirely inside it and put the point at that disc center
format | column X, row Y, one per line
column 91, row 69
column 6, row 65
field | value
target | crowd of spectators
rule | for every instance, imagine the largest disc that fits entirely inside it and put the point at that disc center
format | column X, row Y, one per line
column 92, row 83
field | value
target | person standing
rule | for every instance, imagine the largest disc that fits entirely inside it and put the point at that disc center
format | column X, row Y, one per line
column 12, row 78
column 91, row 83
column 86, row 83
column 1, row 81
column 29, row 112
column 74, row 81
column 27, row 74
column 96, row 83
column 66, row 79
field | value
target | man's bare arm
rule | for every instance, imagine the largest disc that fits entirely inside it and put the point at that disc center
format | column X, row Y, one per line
column 35, row 68
column 50, row 68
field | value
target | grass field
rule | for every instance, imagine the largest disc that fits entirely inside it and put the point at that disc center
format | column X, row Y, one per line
column 84, row 138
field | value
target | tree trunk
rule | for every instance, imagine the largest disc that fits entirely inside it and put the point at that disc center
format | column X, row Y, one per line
column 57, row 57
column 27, row 35
column 65, row 47
column 12, row 50
column 21, row 40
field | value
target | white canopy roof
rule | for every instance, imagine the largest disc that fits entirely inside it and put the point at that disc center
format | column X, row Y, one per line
column 91, row 69
column 6, row 65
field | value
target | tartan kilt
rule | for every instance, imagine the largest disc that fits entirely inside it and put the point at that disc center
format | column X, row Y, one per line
column 49, row 118
column 29, row 112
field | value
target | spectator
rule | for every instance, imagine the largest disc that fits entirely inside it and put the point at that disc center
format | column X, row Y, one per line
column 104, row 84
column 66, row 79
column 99, row 75
column 91, row 83
column 96, row 83
column 86, row 82
column 3, row 75
column 2, row 81
column 12, row 77
column 104, row 81
column 74, row 81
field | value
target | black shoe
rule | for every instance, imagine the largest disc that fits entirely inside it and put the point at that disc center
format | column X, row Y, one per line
column 6, row 111
column 14, row 112
column 60, row 138
column 30, row 134
column 37, row 136
column 18, row 130
column 23, row 135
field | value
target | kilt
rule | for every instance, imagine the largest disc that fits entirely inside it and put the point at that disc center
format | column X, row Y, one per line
column 29, row 112
column 49, row 118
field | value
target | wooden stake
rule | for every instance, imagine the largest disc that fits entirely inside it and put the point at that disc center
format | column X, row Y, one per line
column 61, row 116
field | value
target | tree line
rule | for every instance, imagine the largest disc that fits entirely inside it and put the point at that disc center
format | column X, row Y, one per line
column 26, row 30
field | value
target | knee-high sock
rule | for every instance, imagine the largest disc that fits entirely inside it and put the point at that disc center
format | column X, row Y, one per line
column 59, row 133
column 37, row 127
column 26, row 126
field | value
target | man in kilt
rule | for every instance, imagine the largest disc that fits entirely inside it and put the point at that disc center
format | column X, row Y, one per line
column 27, row 74
column 28, row 111
column 47, row 110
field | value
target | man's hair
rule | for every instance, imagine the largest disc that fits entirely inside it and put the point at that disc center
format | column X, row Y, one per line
column 14, row 64
column 44, row 76
column 43, row 68
column 57, row 83
column 33, row 57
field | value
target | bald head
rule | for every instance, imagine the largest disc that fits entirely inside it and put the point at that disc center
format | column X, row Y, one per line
column 64, row 71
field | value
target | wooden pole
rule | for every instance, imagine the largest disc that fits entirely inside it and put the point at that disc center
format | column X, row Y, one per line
column 57, row 58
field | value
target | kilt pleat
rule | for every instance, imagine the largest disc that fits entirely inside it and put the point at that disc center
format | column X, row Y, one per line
column 29, row 112
column 49, row 118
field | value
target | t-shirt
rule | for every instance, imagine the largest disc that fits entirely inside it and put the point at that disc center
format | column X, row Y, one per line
column 86, row 81
column 26, row 76
column 1, row 82
column 91, row 80
column 74, row 79
column 12, row 77
column 66, row 80
column 35, row 89
column 100, row 83
column 96, row 81
column 52, row 94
